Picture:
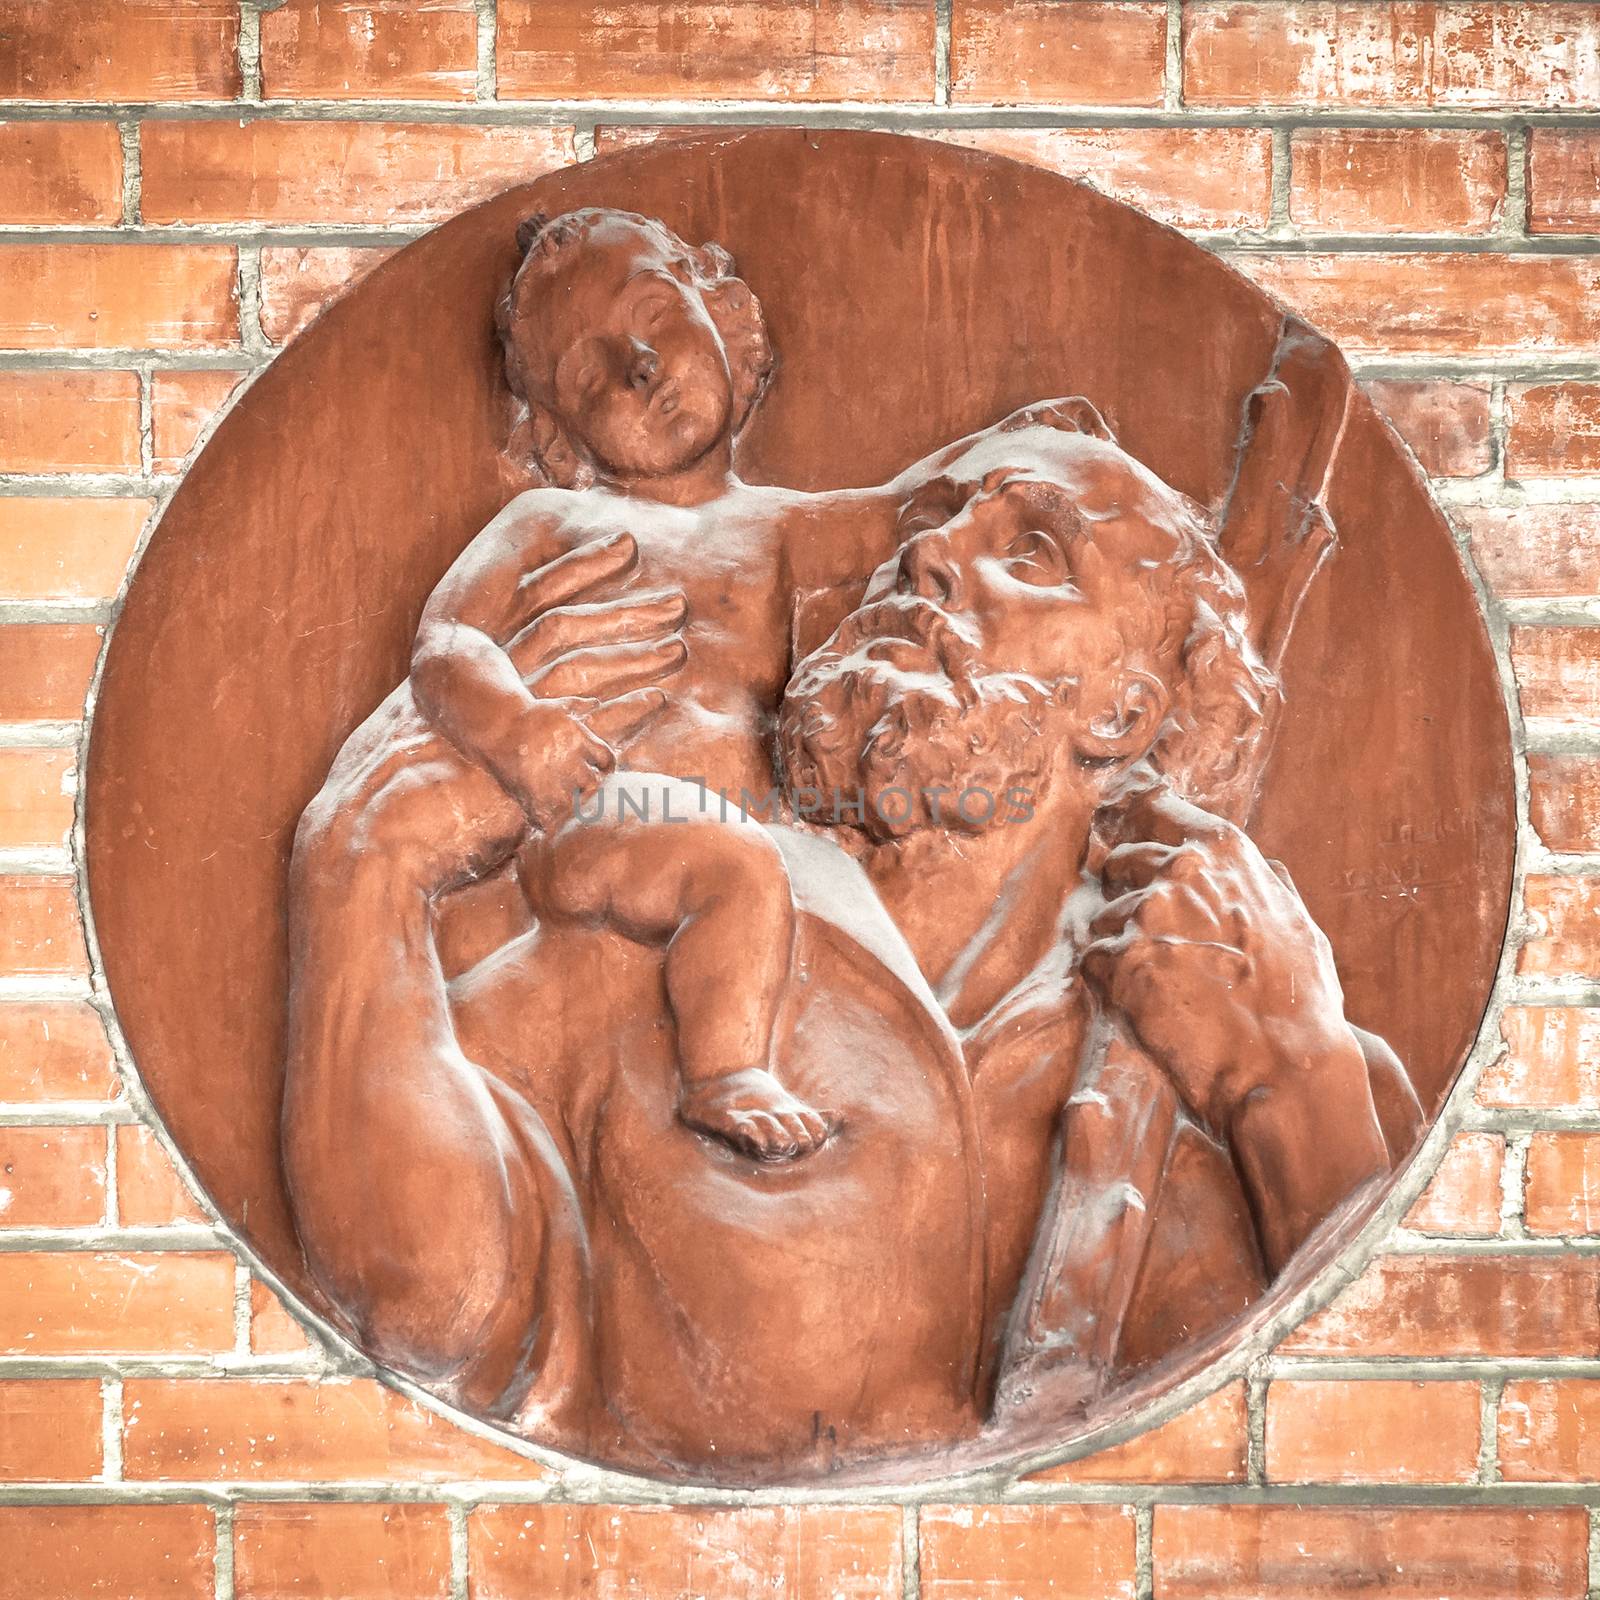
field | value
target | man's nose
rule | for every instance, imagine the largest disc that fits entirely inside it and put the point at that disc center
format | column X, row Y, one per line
column 928, row 567
column 642, row 364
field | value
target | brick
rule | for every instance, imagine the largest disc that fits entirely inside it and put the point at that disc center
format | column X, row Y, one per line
column 1308, row 1552
column 60, row 172
column 352, row 1552
column 50, row 1430
column 1027, row 1552
column 1564, row 916
column 1552, row 1058
column 149, row 1191
column 1374, row 53
column 45, row 669
column 1460, row 1306
column 333, row 1430
column 1445, row 425
column 346, row 49
column 1563, row 1186
column 1205, row 1444
column 272, row 1330
column 1563, row 181
column 1531, row 550
column 298, row 284
column 52, row 1177
column 1440, row 303
column 1396, row 180
column 1190, row 177
column 117, row 296
column 36, row 793
column 74, row 1303
column 1550, row 1430
column 135, row 50
column 72, row 1552
column 373, row 172
column 54, row 1050
column 181, row 404
column 583, row 1552
column 1564, row 800
column 1463, row 1197
column 69, row 421
column 67, row 548
column 1096, row 52
column 1557, row 671
column 40, row 930
column 1553, row 429
column 1326, row 1431
column 861, row 50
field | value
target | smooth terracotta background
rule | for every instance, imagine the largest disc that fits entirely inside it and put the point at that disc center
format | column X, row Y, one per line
column 914, row 291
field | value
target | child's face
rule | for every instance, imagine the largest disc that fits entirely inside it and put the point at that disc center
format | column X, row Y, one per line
column 631, row 361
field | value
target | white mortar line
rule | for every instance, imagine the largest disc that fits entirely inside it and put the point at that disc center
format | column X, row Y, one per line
column 111, row 1429
column 910, row 1553
column 460, row 1579
column 942, row 26
column 486, row 68
column 112, row 1218
column 132, row 172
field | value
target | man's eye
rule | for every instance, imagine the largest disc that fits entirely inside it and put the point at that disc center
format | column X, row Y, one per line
column 1034, row 557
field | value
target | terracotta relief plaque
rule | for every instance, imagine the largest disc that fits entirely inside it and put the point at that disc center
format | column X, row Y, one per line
column 800, row 804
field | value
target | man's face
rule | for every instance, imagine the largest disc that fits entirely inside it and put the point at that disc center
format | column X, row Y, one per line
column 1001, row 632
column 626, row 353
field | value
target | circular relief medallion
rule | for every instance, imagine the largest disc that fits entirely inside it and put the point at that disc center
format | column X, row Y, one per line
column 800, row 804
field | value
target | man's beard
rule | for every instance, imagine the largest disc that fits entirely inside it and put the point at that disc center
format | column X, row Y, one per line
column 922, row 738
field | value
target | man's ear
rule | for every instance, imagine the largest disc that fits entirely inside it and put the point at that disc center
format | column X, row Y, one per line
column 1125, row 727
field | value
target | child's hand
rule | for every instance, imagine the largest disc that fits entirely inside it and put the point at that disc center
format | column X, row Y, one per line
column 568, row 747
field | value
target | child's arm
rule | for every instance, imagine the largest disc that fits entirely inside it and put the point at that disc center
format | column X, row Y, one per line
column 469, row 657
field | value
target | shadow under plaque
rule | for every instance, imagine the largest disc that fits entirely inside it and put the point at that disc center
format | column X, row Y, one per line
column 956, row 1273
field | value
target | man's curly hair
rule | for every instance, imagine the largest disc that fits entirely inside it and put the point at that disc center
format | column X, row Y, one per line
column 1224, row 692
column 733, row 309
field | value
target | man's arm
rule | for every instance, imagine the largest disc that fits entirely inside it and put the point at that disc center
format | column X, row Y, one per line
column 432, row 1206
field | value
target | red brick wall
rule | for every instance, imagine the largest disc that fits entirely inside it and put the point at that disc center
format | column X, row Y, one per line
column 183, row 184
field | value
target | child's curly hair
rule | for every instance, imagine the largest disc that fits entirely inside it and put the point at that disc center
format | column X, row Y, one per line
column 709, row 269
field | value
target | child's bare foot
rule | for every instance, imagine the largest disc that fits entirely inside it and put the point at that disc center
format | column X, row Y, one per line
column 754, row 1113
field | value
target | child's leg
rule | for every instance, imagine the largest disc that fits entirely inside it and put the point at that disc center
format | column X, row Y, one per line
column 717, row 894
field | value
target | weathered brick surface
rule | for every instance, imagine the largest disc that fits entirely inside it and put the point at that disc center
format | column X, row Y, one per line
column 383, row 49
column 553, row 1552
column 1563, row 1184
column 341, row 1552
column 53, row 421
column 272, row 1330
column 77, row 1303
column 45, row 669
column 1205, row 1444
column 1099, row 52
column 298, row 281
column 332, row 1430
column 1416, row 1553
column 1075, row 1552
column 1460, row 1306
column 1382, row 1431
column 1564, row 800
column 1564, row 180
column 60, row 548
column 1553, row 429
column 149, row 1191
column 1463, row 1196
column 50, row 1430
column 1446, row 425
column 65, row 172
column 54, row 1050
column 865, row 50
column 138, row 50
column 52, row 1177
column 1558, row 672
column 181, row 404
column 1397, row 180
column 1552, row 1058
column 41, row 932
column 335, row 171
column 36, row 793
column 1190, row 177
column 1463, row 53
column 117, row 296
column 1533, row 550
column 1564, row 915
column 70, row 1552
column 1550, row 1430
